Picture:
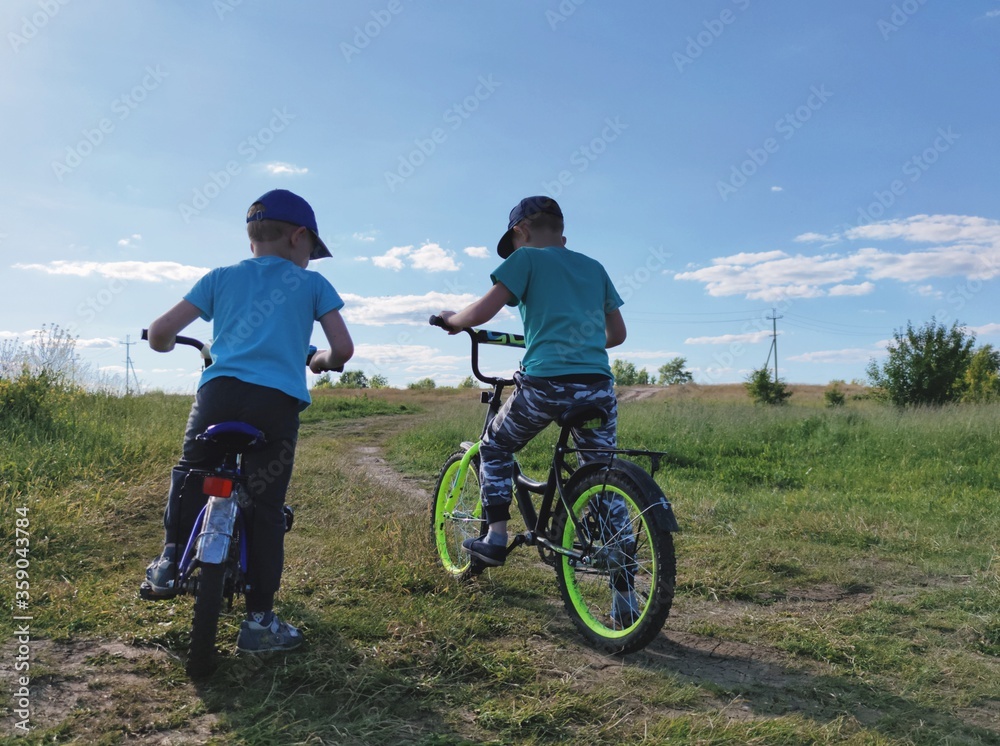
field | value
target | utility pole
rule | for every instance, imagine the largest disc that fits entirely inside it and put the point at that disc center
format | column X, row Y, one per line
column 773, row 318
column 128, row 364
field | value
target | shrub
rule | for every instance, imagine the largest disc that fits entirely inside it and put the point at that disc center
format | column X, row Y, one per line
column 834, row 396
column 423, row 383
column 764, row 390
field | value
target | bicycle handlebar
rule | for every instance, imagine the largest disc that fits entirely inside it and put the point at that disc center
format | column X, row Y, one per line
column 484, row 336
column 206, row 352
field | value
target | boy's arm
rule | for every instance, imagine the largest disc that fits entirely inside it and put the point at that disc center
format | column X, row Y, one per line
column 163, row 332
column 341, row 345
column 614, row 329
column 480, row 311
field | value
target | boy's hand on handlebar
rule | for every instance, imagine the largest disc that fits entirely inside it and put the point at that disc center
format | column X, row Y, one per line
column 322, row 362
column 442, row 320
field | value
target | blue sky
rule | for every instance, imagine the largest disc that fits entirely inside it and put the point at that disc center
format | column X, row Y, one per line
column 833, row 163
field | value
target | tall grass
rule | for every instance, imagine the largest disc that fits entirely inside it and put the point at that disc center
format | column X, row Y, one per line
column 838, row 582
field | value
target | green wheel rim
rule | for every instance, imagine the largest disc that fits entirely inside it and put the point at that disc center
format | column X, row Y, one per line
column 448, row 532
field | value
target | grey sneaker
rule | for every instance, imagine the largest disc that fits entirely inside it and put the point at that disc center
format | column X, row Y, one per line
column 260, row 638
column 161, row 576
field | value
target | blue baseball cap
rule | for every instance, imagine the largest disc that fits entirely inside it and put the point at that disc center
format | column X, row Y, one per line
column 288, row 207
column 525, row 209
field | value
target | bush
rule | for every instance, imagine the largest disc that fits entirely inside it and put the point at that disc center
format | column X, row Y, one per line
column 423, row 383
column 925, row 365
column 764, row 390
column 834, row 396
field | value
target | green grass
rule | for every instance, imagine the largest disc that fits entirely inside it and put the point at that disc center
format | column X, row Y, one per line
column 837, row 583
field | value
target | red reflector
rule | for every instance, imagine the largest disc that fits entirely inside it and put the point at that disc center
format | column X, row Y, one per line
column 217, row 487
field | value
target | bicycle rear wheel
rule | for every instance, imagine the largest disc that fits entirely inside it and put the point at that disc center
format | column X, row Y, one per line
column 456, row 513
column 205, row 624
column 621, row 595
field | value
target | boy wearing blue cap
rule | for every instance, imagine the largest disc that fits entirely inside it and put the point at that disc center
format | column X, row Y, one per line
column 569, row 308
column 262, row 310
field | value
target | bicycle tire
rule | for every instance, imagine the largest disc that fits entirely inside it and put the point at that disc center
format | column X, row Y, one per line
column 456, row 514
column 205, row 623
column 621, row 599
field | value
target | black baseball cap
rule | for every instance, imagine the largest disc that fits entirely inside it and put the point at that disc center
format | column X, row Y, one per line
column 288, row 207
column 526, row 208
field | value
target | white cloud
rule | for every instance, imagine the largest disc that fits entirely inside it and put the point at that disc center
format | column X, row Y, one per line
column 966, row 246
column 393, row 258
column 130, row 242
column 366, row 237
column 410, row 310
column 777, row 189
column 985, row 330
column 848, row 355
column 477, row 252
column 138, row 271
column 814, row 238
column 654, row 355
column 430, row 258
column 865, row 288
column 278, row 168
column 413, row 358
column 725, row 339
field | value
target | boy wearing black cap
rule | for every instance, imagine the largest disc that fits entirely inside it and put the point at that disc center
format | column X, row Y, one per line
column 569, row 308
column 262, row 311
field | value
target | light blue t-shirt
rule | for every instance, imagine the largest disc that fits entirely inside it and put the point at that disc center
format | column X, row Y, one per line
column 263, row 311
column 563, row 297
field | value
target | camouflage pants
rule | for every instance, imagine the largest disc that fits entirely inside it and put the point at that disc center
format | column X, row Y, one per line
column 534, row 404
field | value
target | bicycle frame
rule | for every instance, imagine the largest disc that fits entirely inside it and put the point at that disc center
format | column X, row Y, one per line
column 537, row 522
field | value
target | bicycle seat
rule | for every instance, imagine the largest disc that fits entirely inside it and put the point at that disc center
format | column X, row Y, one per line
column 238, row 436
column 581, row 414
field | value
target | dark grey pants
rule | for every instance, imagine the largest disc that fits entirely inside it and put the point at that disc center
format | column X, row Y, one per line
column 534, row 403
column 268, row 471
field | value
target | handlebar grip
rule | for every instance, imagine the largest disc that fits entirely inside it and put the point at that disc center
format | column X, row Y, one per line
column 436, row 320
column 145, row 334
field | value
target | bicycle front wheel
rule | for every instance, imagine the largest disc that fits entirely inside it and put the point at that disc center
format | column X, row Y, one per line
column 620, row 594
column 456, row 512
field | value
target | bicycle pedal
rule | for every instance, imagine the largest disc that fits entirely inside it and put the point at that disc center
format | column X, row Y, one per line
column 146, row 593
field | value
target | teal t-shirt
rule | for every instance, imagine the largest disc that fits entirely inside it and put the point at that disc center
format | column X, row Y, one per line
column 262, row 312
column 563, row 297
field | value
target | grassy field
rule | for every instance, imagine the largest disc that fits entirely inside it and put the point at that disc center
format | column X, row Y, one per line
column 838, row 582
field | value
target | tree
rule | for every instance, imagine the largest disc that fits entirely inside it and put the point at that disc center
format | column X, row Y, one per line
column 423, row 383
column 763, row 389
column 982, row 377
column 925, row 365
column 323, row 382
column 378, row 381
column 834, row 395
column 468, row 383
column 352, row 379
column 673, row 372
column 624, row 372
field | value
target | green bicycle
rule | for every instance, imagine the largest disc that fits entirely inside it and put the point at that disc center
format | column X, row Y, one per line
column 616, row 577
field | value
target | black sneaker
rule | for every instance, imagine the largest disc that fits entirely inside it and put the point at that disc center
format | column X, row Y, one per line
column 493, row 555
column 276, row 635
